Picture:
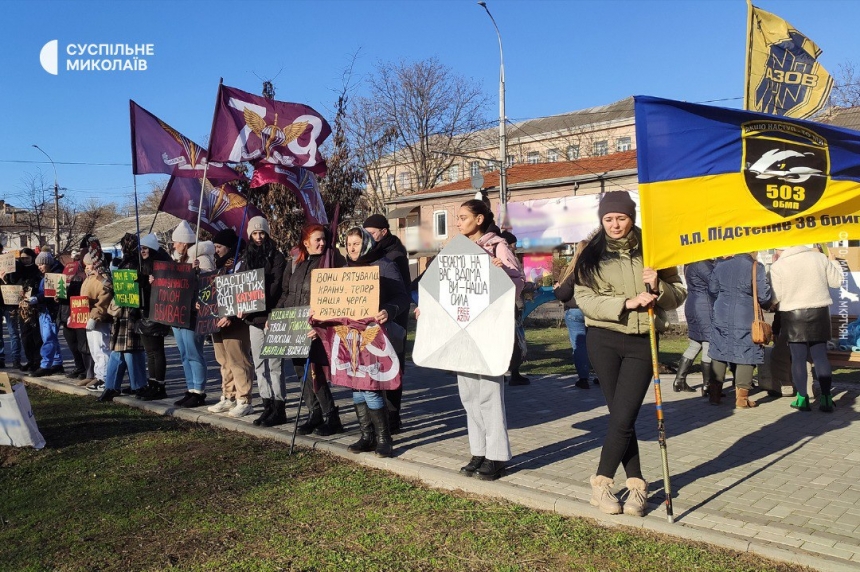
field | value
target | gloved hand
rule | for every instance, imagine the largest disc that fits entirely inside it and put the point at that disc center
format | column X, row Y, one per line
column 91, row 325
column 32, row 301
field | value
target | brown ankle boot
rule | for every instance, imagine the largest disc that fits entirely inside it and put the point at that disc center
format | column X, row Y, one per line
column 602, row 496
column 715, row 391
column 742, row 399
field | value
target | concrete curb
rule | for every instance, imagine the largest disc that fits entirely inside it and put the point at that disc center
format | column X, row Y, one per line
column 564, row 505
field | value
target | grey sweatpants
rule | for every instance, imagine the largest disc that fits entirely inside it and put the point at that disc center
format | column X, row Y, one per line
column 270, row 379
column 483, row 399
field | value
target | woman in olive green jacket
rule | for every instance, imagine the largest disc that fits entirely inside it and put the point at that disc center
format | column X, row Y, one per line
column 611, row 291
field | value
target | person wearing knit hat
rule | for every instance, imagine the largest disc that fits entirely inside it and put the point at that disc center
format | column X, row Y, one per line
column 232, row 342
column 51, row 359
column 150, row 241
column 226, row 237
column 98, row 288
column 262, row 253
column 258, row 224
column 189, row 344
column 151, row 333
column 614, row 291
column 617, row 202
column 378, row 227
column 27, row 276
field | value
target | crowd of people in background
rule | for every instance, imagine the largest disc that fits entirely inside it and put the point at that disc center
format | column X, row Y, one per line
column 606, row 291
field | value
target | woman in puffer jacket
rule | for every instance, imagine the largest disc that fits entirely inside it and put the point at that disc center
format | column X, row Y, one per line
column 614, row 290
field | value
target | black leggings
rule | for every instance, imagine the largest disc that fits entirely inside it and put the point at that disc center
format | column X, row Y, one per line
column 156, row 362
column 622, row 362
column 823, row 371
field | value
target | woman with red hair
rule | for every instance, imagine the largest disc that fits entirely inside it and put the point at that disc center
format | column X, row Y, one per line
column 323, row 419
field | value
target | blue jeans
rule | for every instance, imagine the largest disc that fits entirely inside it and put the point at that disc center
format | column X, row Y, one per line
column 373, row 399
column 190, row 347
column 13, row 326
column 575, row 321
column 119, row 363
column 50, row 351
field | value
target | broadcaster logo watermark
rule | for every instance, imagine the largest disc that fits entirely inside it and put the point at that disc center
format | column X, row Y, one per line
column 95, row 57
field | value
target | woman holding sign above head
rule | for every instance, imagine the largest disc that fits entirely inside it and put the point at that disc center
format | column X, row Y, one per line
column 614, row 289
column 323, row 417
column 262, row 253
column 483, row 396
column 394, row 300
column 189, row 344
column 232, row 342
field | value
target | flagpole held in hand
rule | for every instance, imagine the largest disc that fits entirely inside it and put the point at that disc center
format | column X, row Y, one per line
column 301, row 399
column 658, row 402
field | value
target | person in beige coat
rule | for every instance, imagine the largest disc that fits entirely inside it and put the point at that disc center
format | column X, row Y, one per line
column 804, row 315
column 98, row 288
column 610, row 288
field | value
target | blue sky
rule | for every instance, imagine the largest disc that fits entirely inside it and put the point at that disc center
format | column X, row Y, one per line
column 559, row 56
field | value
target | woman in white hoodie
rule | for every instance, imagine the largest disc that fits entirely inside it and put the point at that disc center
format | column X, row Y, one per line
column 802, row 277
column 190, row 345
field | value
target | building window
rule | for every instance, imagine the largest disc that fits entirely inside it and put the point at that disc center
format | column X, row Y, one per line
column 533, row 157
column 474, row 168
column 600, row 148
column 440, row 178
column 573, row 152
column 622, row 144
column 391, row 185
column 440, row 224
column 552, row 156
column 511, row 160
column 405, row 181
column 490, row 166
column 454, row 173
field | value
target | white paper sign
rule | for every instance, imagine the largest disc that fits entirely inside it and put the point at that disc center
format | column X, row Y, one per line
column 464, row 290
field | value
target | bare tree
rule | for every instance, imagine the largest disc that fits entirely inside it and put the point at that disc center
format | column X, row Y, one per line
column 846, row 89
column 413, row 111
column 149, row 203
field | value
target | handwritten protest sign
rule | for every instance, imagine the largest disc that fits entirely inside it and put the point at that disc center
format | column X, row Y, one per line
column 7, row 263
column 55, row 285
column 126, row 290
column 207, row 305
column 241, row 292
column 12, row 294
column 345, row 292
column 464, row 290
column 174, row 288
column 287, row 335
column 467, row 312
column 80, row 311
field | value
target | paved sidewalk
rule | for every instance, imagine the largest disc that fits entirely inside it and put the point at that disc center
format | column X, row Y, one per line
column 770, row 480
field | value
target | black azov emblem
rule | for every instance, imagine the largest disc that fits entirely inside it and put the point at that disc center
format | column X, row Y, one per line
column 785, row 166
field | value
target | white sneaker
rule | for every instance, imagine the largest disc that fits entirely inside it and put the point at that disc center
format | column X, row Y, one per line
column 242, row 408
column 222, row 406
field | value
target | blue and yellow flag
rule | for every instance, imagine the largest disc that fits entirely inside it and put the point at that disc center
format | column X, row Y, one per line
column 783, row 74
column 716, row 181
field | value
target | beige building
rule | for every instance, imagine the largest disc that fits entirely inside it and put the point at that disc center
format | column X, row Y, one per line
column 594, row 132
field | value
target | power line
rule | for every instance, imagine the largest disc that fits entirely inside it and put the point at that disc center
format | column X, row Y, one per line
column 67, row 163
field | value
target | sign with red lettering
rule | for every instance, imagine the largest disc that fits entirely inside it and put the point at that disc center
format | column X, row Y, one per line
column 80, row 311
column 207, row 305
column 174, row 290
column 243, row 292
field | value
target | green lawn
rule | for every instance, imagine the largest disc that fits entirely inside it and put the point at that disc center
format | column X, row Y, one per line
column 120, row 489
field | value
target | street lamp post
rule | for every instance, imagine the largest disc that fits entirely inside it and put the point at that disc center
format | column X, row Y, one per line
column 56, row 203
column 503, row 145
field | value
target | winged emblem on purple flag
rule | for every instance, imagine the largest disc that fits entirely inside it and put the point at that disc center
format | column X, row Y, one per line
column 272, row 135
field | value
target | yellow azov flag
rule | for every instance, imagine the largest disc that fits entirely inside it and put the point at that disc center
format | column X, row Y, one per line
column 783, row 74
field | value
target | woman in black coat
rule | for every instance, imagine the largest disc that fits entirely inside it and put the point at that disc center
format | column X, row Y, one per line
column 323, row 418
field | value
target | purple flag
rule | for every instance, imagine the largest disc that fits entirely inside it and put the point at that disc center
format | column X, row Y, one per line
column 251, row 128
column 223, row 206
column 300, row 181
column 156, row 147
